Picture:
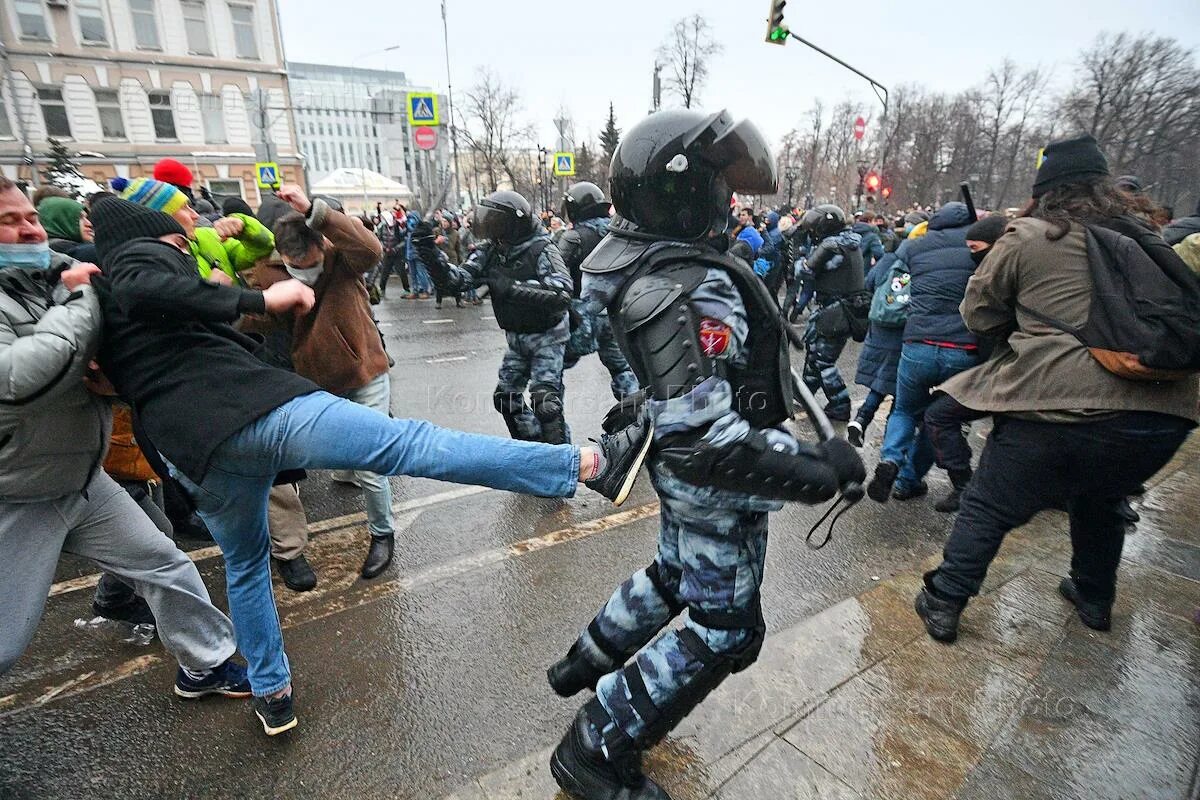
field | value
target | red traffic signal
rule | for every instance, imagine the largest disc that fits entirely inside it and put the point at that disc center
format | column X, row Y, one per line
column 887, row 192
column 872, row 181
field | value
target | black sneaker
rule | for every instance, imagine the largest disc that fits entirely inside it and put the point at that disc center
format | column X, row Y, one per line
column 135, row 612
column 581, row 770
column 624, row 453
column 950, row 503
column 855, row 433
column 904, row 493
column 940, row 616
column 297, row 575
column 227, row 680
column 1096, row 616
column 275, row 714
column 880, row 487
column 1127, row 513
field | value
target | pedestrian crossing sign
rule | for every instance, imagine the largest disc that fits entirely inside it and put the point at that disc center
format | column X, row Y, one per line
column 564, row 164
column 422, row 108
column 268, row 174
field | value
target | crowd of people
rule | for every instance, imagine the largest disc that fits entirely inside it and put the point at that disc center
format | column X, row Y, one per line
column 124, row 312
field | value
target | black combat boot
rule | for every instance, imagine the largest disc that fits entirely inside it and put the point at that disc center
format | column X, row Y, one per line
column 574, row 673
column 880, row 487
column 1097, row 616
column 580, row 767
column 939, row 614
column 624, row 453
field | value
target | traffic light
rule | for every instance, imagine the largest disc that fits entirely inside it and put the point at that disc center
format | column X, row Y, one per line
column 886, row 192
column 872, row 181
column 777, row 32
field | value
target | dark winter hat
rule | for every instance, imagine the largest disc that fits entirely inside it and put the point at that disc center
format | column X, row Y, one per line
column 118, row 221
column 988, row 229
column 1070, row 161
column 236, row 205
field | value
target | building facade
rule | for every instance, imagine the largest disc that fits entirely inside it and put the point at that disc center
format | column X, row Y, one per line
column 124, row 83
column 354, row 118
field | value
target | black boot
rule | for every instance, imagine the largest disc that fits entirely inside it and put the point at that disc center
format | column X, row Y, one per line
column 1097, row 616
column 379, row 557
column 581, row 769
column 880, row 487
column 574, row 673
column 911, row 492
column 134, row 612
column 940, row 615
column 959, row 480
column 297, row 575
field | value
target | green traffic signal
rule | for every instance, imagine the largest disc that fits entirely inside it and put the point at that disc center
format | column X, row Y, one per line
column 778, row 34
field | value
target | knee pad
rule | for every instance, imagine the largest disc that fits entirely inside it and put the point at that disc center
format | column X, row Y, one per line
column 750, row 620
column 546, row 401
column 508, row 403
column 667, row 586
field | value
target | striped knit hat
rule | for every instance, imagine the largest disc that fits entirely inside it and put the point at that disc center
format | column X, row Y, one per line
column 155, row 194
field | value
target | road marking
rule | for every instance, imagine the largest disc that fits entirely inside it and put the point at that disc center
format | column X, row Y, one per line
column 445, row 360
column 437, row 322
column 301, row 613
column 487, row 317
column 333, row 523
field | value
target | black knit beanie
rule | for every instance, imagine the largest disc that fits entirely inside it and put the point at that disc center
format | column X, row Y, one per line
column 118, row 221
column 988, row 229
column 1070, row 161
column 236, row 205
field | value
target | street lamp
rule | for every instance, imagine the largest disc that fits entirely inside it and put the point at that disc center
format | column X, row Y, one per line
column 791, row 173
column 862, row 174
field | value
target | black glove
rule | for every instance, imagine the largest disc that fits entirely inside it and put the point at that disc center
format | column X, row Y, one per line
column 845, row 461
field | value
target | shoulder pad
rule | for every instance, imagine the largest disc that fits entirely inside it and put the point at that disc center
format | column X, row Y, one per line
column 614, row 253
column 647, row 297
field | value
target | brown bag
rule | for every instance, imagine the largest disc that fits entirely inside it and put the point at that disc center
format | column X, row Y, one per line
column 125, row 461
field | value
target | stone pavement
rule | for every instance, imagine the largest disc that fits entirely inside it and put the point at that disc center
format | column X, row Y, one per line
column 856, row 702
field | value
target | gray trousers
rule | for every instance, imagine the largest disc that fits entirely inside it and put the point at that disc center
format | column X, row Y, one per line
column 105, row 525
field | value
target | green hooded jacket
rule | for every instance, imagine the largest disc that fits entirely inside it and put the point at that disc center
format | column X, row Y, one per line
column 235, row 254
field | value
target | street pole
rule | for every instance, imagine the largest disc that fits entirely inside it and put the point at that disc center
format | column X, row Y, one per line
column 450, row 97
column 862, row 174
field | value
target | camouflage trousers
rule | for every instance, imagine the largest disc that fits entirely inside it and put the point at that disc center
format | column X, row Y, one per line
column 709, row 561
column 534, row 360
column 595, row 335
column 820, row 363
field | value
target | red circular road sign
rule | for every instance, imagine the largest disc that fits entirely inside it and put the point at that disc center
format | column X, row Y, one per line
column 425, row 136
column 860, row 128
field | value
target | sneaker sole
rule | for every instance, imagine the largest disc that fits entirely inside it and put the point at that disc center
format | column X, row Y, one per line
column 287, row 726
column 190, row 695
column 635, row 469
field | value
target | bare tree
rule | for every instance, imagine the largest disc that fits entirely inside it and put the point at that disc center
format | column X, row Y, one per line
column 686, row 55
column 494, row 131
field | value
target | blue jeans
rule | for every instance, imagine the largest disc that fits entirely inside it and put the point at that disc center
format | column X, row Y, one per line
column 421, row 281
column 922, row 366
column 377, row 491
column 322, row 431
column 866, row 412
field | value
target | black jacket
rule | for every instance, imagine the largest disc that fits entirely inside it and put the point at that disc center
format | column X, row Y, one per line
column 1180, row 229
column 940, row 265
column 170, row 351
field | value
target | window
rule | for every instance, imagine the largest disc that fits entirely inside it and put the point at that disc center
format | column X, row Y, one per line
column 163, row 116
column 54, row 113
column 195, row 23
column 112, row 124
column 31, row 19
column 213, row 113
column 244, row 35
column 228, row 187
column 91, row 22
column 5, row 126
column 252, row 119
column 145, row 24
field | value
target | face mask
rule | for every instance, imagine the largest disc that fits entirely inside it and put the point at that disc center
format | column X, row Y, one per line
column 30, row 257
column 306, row 276
column 979, row 255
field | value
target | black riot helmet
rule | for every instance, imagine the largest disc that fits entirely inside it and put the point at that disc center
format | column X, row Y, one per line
column 824, row 220
column 584, row 200
column 504, row 217
column 674, row 173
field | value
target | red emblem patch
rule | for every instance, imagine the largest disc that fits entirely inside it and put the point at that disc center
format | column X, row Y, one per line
column 714, row 337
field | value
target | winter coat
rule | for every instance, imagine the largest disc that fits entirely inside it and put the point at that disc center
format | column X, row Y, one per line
column 1036, row 367
column 880, row 355
column 1180, row 229
column 53, row 432
column 450, row 245
column 836, row 264
column 872, row 245
column 1189, row 251
column 752, row 238
column 337, row 344
column 234, row 254
column 940, row 265
column 171, row 353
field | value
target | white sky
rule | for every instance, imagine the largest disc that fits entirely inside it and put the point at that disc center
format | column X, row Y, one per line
column 582, row 55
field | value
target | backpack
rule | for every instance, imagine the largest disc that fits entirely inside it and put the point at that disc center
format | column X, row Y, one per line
column 1144, row 319
column 889, row 304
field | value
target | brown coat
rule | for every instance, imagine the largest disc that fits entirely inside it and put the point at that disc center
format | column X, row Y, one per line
column 337, row 344
column 1040, row 368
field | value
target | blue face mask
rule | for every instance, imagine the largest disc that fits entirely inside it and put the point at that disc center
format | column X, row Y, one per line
column 29, row 257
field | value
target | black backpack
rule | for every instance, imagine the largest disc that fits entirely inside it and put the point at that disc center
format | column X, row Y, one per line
column 1144, row 320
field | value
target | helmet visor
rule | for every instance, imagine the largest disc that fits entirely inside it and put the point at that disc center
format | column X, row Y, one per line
column 744, row 159
column 492, row 222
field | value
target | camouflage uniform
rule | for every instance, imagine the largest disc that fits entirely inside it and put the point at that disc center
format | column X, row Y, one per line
column 837, row 269
column 711, row 547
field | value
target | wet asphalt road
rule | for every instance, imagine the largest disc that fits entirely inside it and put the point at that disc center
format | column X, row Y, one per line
column 407, row 685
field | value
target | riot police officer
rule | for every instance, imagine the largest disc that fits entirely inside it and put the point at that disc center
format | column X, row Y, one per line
column 836, row 265
column 705, row 338
column 531, row 290
column 586, row 209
